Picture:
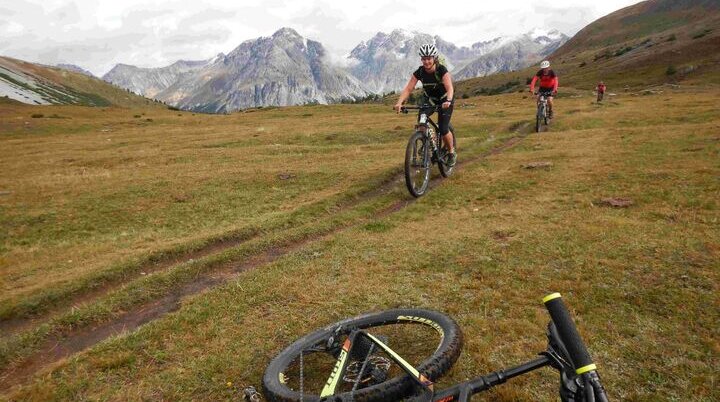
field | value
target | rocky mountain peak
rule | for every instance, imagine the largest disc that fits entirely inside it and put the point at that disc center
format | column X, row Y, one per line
column 286, row 32
column 290, row 36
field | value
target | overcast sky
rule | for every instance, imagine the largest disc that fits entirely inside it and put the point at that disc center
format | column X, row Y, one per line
column 97, row 34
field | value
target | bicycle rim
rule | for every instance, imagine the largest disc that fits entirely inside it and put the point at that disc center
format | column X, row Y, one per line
column 417, row 164
column 429, row 340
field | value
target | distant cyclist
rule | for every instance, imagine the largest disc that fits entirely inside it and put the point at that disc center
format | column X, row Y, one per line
column 437, row 89
column 548, row 84
column 600, row 91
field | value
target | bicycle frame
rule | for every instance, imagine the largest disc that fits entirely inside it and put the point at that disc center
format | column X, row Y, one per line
column 459, row 392
column 424, row 122
column 542, row 106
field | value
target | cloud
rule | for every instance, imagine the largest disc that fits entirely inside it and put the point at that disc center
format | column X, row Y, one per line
column 567, row 20
column 98, row 34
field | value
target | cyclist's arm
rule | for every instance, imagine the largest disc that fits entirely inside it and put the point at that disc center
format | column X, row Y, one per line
column 556, row 82
column 532, row 83
column 447, row 82
column 406, row 91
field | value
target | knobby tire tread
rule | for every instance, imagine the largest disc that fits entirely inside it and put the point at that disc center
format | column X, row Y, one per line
column 392, row 390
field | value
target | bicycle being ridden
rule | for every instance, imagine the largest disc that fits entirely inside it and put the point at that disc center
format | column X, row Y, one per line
column 600, row 91
column 542, row 114
column 426, row 148
column 548, row 86
column 438, row 90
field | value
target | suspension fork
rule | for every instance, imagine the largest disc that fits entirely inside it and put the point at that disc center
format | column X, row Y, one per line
column 427, row 157
column 542, row 107
column 424, row 125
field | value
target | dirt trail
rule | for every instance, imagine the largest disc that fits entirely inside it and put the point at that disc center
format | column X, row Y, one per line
column 17, row 325
column 60, row 346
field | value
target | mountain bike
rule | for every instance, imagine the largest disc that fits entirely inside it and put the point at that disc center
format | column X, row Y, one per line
column 542, row 111
column 398, row 354
column 425, row 148
column 600, row 96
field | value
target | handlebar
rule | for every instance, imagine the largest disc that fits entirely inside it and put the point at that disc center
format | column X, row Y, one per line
column 578, row 353
column 406, row 109
column 568, row 333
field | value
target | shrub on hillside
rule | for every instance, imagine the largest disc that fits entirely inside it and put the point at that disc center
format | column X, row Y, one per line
column 604, row 55
column 671, row 38
column 509, row 86
column 622, row 51
column 702, row 33
column 671, row 70
column 37, row 115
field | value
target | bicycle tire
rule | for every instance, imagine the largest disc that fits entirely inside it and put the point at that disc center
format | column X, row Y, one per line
column 538, row 122
column 396, row 388
column 446, row 171
column 410, row 157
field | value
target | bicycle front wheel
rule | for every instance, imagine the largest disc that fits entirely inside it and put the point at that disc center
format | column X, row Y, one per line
column 539, row 118
column 417, row 164
column 429, row 340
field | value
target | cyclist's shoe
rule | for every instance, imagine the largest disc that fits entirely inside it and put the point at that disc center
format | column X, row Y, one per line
column 451, row 159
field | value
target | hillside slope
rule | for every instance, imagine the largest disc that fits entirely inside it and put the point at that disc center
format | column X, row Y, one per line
column 650, row 43
column 42, row 85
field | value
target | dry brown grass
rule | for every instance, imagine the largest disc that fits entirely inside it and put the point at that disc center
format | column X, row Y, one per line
column 484, row 247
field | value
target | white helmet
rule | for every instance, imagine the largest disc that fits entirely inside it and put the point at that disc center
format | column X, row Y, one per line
column 428, row 50
column 545, row 64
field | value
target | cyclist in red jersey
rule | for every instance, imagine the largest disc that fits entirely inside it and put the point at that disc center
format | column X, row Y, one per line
column 548, row 84
column 600, row 91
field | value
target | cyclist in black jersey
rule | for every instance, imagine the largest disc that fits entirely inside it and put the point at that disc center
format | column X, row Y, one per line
column 437, row 88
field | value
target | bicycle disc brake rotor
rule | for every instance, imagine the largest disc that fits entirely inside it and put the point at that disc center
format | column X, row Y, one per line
column 375, row 372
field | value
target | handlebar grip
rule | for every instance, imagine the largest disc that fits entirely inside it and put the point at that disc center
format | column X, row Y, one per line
column 568, row 333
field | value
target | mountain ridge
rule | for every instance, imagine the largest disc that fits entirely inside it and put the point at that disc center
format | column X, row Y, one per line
column 37, row 84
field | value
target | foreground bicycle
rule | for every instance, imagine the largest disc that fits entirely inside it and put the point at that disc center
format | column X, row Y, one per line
column 542, row 112
column 397, row 355
column 424, row 148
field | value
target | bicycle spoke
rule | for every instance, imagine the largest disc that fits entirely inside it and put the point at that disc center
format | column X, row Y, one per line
column 312, row 366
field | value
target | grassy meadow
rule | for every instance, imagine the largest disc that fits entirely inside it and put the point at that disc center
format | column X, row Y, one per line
column 107, row 210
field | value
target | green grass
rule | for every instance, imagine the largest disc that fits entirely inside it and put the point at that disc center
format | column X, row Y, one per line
column 484, row 246
column 130, row 214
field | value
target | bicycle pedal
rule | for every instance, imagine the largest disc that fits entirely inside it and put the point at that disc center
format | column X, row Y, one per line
column 250, row 394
